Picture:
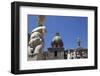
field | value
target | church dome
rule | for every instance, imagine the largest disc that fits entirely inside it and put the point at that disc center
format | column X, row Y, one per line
column 57, row 41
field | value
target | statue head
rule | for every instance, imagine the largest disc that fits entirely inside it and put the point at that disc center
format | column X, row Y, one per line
column 35, row 39
column 41, row 29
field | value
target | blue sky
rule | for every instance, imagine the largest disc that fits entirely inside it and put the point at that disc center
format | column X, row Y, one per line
column 69, row 27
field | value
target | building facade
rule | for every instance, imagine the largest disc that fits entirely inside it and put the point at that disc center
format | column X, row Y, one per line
column 57, row 51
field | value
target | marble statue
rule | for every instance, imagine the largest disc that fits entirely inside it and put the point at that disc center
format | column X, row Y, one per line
column 36, row 42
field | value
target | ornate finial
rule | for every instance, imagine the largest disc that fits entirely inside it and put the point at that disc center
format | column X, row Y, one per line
column 57, row 34
column 40, row 20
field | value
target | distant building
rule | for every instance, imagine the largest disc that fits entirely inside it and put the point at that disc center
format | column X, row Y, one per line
column 57, row 51
column 76, row 53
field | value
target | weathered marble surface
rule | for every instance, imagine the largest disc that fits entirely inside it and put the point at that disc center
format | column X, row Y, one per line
column 36, row 43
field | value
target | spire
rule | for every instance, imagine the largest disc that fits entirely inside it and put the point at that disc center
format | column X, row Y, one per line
column 40, row 20
column 78, row 42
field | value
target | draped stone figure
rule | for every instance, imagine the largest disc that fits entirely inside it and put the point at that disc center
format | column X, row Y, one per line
column 36, row 42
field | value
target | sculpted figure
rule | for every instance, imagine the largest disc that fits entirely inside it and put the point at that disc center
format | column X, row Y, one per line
column 36, row 42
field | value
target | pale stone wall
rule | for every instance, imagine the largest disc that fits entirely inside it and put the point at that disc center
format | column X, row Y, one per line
column 60, row 55
column 51, row 55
